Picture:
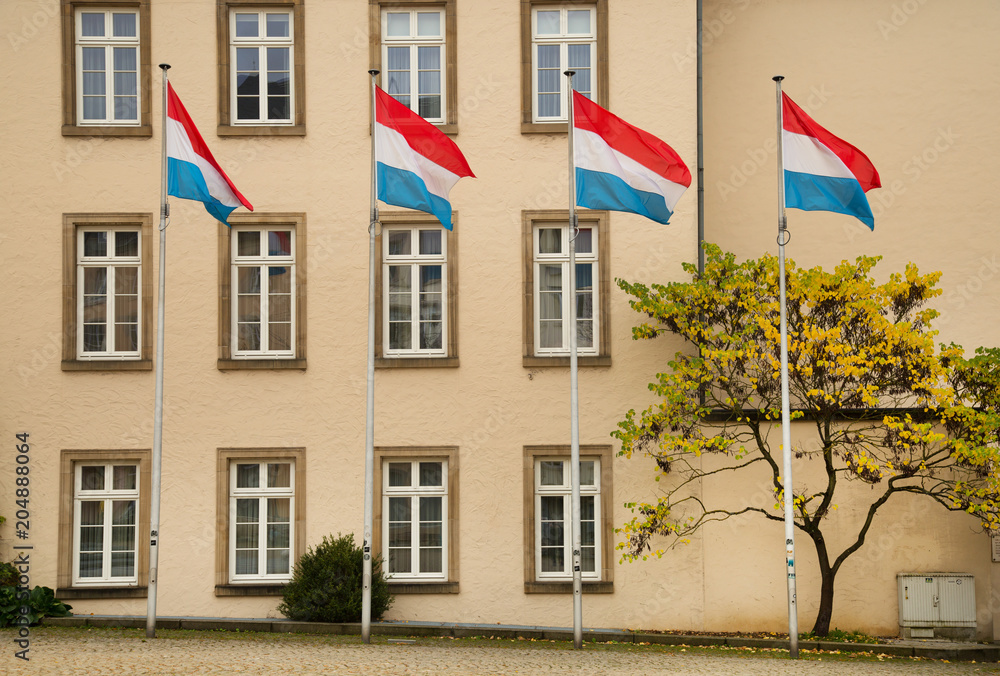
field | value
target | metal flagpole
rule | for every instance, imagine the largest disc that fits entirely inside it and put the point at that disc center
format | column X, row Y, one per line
column 154, row 506
column 366, row 590
column 786, row 434
column 574, row 399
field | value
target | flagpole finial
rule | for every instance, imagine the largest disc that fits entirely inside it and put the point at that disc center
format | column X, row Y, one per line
column 569, row 72
column 778, row 78
column 165, row 66
column 374, row 71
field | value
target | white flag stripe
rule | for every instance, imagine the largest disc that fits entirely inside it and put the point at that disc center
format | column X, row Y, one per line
column 392, row 150
column 592, row 153
column 179, row 147
column 806, row 155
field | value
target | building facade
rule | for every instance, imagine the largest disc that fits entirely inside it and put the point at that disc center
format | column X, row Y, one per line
column 266, row 321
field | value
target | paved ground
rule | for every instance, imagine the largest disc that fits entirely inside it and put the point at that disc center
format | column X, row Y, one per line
column 58, row 651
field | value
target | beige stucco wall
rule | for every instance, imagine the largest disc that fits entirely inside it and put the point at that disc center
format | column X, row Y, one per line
column 491, row 406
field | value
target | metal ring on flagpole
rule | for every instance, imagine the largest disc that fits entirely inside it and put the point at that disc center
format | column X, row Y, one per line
column 785, row 235
column 372, row 225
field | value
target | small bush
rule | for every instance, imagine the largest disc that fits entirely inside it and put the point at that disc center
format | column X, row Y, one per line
column 42, row 602
column 326, row 584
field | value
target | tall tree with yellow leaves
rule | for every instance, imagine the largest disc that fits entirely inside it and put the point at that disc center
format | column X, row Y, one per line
column 889, row 408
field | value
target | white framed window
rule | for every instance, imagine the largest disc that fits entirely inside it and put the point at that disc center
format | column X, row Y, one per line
column 105, row 517
column 262, row 67
column 553, row 519
column 414, row 291
column 413, row 58
column 562, row 38
column 263, row 278
column 107, row 66
column 415, row 518
column 552, row 311
column 109, row 281
column 261, row 505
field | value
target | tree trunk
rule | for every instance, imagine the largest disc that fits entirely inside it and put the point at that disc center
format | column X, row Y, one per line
column 822, row 626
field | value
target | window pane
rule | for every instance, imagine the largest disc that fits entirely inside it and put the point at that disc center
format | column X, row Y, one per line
column 279, row 510
column 248, row 337
column 248, row 280
column 91, row 539
column 399, row 534
column 95, row 244
column 399, row 474
column 399, row 307
column 123, row 477
column 587, row 513
column 400, row 336
column 280, row 308
column 278, row 536
column 399, row 509
column 246, row 562
column 92, row 25
column 553, row 559
column 552, row 508
column 547, row 22
column 248, row 59
column 548, row 64
column 397, row 24
column 278, row 84
column 248, row 84
column 578, row 21
column 94, row 108
column 429, row 105
column 123, row 25
column 246, row 26
column 126, row 107
column 552, row 533
column 399, row 243
column 247, row 476
column 551, row 473
column 248, row 243
column 429, row 58
column 91, row 514
column 585, row 240
column 92, row 479
column 430, row 560
column 123, row 539
column 279, row 107
column 95, row 338
column 550, row 240
column 246, row 535
column 399, row 279
column 95, row 283
column 123, row 512
column 584, row 277
column 125, row 60
column 430, row 242
column 430, row 510
column 431, row 335
column 247, row 510
column 279, row 279
column 587, row 473
column 277, row 562
column 399, row 561
column 278, row 58
column 279, row 475
column 126, row 243
column 123, row 564
column 428, row 24
column 550, row 278
column 248, row 108
column 277, row 25
column 430, row 280
column 91, row 565
column 279, row 336
column 94, row 84
column 430, row 475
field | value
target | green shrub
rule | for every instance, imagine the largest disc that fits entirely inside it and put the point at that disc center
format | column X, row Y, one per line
column 326, row 584
column 42, row 602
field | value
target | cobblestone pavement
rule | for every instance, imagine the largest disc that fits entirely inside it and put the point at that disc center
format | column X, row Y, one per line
column 100, row 652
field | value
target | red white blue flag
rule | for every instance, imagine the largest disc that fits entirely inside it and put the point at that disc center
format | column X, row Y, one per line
column 192, row 172
column 623, row 168
column 823, row 172
column 416, row 164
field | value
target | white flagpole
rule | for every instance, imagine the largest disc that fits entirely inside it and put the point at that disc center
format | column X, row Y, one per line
column 786, row 435
column 574, row 399
column 366, row 589
column 154, row 498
